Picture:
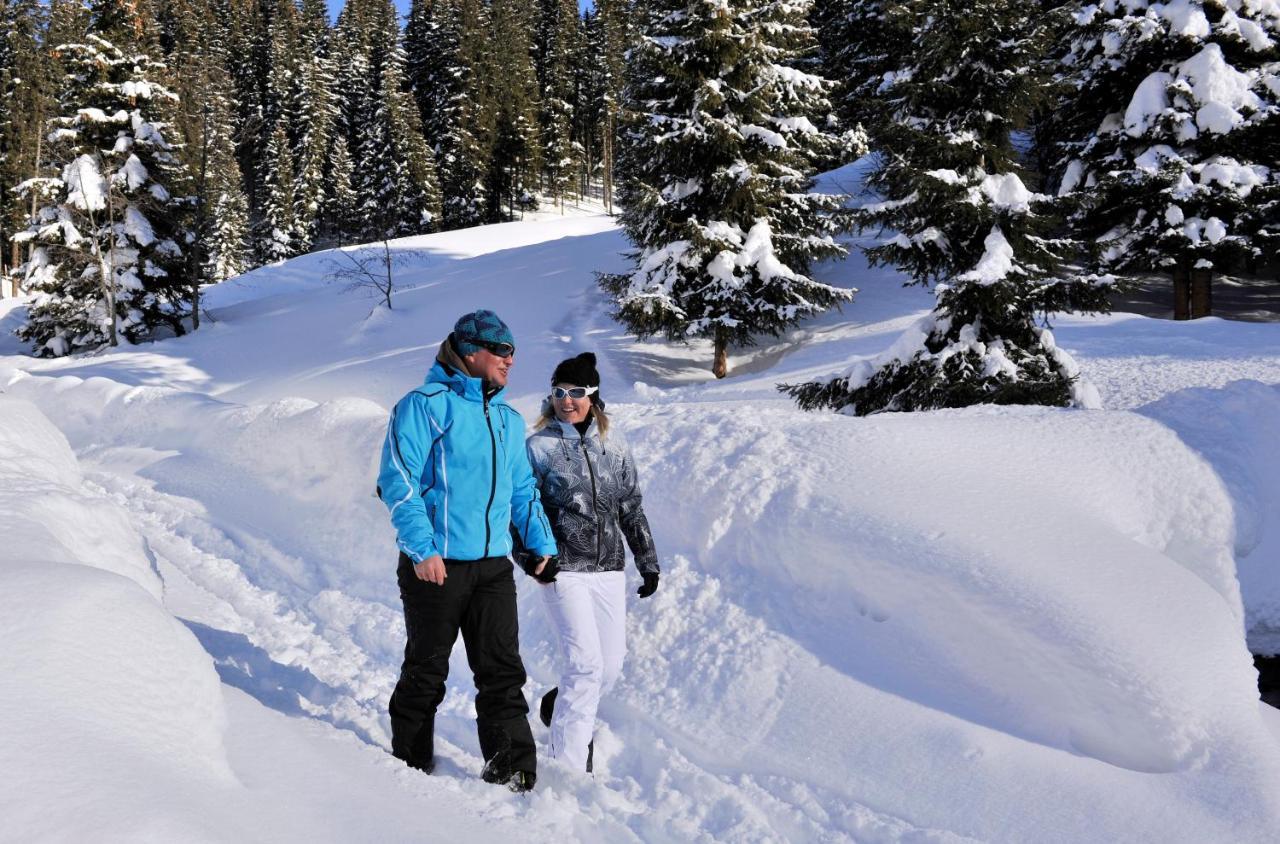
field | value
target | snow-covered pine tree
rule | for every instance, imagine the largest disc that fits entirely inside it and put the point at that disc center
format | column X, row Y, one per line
column 25, row 98
column 861, row 41
column 556, row 47
column 341, row 220
column 313, row 117
column 195, row 42
column 108, row 243
column 273, row 232
column 716, row 176
column 395, row 172
column 618, row 32
column 511, row 178
column 953, row 193
column 1169, row 138
column 464, row 124
column 589, row 74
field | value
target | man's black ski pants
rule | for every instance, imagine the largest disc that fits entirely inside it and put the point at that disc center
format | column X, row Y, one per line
column 478, row 598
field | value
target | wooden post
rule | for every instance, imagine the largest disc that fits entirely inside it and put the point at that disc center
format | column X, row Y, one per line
column 720, row 366
column 1201, row 292
column 1181, row 291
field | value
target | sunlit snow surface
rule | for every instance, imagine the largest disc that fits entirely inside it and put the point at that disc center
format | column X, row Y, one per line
column 991, row 624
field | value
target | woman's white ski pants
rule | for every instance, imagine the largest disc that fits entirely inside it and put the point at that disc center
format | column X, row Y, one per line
column 589, row 611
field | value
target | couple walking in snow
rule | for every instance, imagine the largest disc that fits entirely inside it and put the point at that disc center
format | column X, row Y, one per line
column 466, row 494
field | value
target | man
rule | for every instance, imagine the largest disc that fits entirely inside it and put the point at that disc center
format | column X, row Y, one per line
column 455, row 476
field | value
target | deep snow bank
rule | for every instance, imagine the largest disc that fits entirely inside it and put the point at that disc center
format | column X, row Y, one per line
column 1234, row 428
column 107, row 699
column 1062, row 577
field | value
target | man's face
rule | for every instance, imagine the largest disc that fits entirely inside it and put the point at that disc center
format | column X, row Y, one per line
column 487, row 366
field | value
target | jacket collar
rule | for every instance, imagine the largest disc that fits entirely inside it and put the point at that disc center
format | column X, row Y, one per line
column 566, row 429
column 451, row 371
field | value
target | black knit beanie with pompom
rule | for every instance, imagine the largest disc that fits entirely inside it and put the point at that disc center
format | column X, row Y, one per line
column 579, row 371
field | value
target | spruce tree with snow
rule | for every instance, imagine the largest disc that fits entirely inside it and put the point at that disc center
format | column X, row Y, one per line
column 556, row 48
column 313, row 117
column 464, row 123
column 1169, row 138
column 108, row 244
column 341, row 221
column 952, row 192
column 394, row 173
column 195, row 45
column 716, row 176
column 273, row 233
column 25, row 100
column 511, row 176
column 861, row 41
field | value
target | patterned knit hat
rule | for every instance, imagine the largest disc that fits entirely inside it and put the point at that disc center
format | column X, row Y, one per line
column 480, row 325
column 579, row 371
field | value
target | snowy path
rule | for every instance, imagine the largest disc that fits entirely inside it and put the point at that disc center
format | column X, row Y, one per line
column 925, row 628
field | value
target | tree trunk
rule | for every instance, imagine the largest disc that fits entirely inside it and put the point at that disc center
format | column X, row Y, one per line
column 720, row 367
column 1181, row 291
column 1201, row 292
column 386, row 260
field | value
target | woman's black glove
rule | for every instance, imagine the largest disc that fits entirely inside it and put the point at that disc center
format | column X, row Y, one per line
column 650, row 584
column 530, row 562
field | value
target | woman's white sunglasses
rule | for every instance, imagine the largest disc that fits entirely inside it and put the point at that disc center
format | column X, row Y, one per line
column 573, row 392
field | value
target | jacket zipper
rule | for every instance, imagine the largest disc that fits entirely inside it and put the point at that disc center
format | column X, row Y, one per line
column 493, row 479
column 594, row 512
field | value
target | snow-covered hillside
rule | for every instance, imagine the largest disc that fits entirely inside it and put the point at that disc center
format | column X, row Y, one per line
column 993, row 624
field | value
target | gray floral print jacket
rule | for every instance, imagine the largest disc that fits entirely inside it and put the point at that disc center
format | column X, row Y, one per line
column 592, row 498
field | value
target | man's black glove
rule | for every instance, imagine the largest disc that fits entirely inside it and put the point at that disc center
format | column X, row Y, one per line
column 650, row 584
column 530, row 562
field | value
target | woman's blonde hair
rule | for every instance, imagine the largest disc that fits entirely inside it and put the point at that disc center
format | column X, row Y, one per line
column 549, row 413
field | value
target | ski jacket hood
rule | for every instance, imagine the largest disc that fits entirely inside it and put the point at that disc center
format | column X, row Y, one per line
column 591, row 495
column 453, row 473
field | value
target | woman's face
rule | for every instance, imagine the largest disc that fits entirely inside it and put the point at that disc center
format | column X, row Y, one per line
column 570, row 410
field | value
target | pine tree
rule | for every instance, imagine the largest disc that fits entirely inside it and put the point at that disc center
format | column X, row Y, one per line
column 716, row 177
column 589, row 74
column 557, row 47
column 194, row 41
column 395, row 172
column 341, row 219
column 25, row 100
column 313, row 119
column 516, row 154
column 617, row 36
column 861, row 41
column 273, row 234
column 108, row 244
column 953, row 191
column 1169, row 139
column 464, row 124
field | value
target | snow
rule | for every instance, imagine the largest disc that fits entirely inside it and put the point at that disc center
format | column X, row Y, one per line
column 1185, row 17
column 1220, row 89
column 997, row 261
column 1149, row 101
column 995, row 624
column 86, row 188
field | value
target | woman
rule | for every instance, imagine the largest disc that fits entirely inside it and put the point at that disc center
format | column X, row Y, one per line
column 590, row 494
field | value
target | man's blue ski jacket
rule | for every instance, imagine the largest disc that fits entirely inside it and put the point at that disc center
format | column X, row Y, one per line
column 455, row 474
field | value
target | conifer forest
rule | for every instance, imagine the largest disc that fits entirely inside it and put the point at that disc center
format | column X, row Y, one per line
column 1029, row 157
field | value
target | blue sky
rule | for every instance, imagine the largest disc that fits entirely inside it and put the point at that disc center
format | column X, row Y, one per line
column 335, row 6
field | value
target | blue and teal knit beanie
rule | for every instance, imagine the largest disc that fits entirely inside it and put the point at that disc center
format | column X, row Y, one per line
column 480, row 325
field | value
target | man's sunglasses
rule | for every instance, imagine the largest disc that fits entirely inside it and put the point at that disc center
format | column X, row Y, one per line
column 502, row 350
column 573, row 392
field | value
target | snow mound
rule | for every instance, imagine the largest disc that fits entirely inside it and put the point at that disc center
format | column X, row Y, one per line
column 1233, row 428
column 963, row 581
column 103, row 688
